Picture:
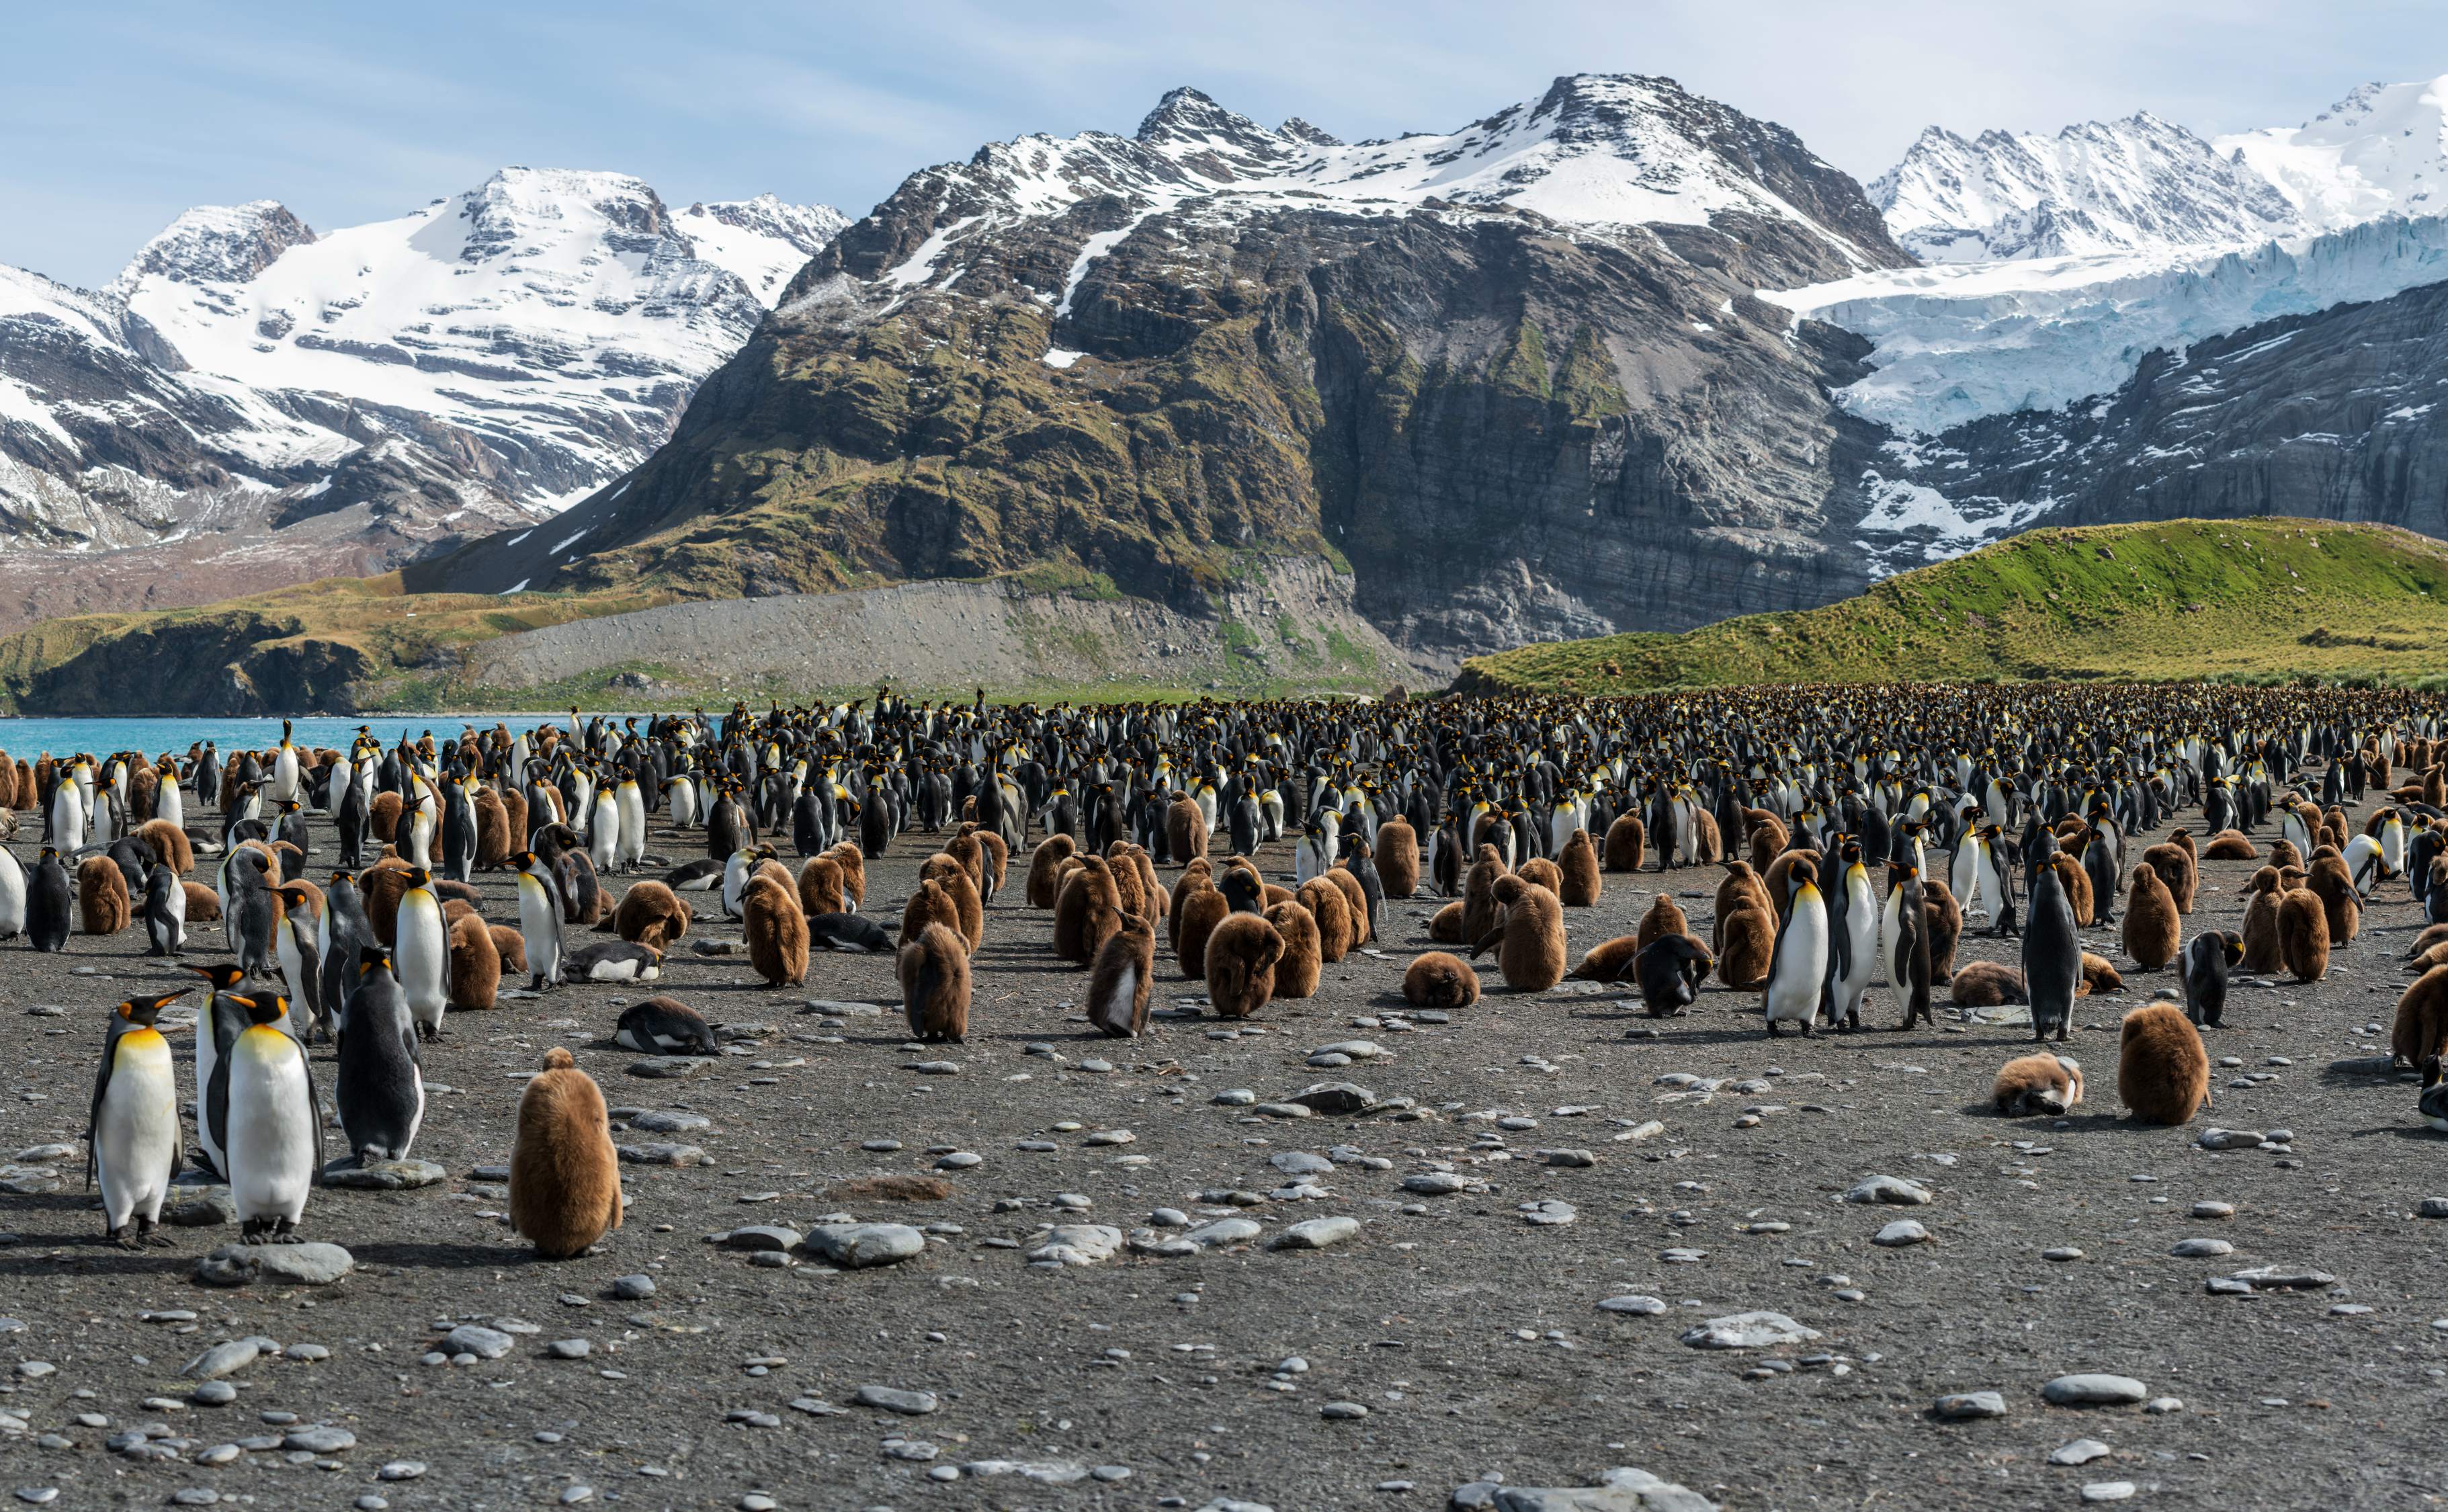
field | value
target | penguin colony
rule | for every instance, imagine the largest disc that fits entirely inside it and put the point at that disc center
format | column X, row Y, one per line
column 1847, row 858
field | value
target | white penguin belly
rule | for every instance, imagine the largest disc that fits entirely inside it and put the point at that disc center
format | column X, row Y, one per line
column 137, row 1130
column 271, row 1131
column 424, row 960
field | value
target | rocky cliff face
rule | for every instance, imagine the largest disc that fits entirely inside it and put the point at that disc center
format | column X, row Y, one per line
column 1513, row 374
column 250, row 403
column 2337, row 415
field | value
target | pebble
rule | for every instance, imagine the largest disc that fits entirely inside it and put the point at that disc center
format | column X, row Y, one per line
column 1900, row 1233
column 1549, row 1213
column 1963, row 1405
column 214, row 1394
column 959, row 1160
column 2081, row 1451
column 2434, row 1208
column 633, row 1288
column 2213, row 1210
column 1343, row 1410
column 1317, row 1234
column 471, row 1338
column 401, row 1470
column 1890, row 1189
column 570, row 1348
column 319, row 1440
column 2093, row 1390
column 2201, row 1249
column 2061, row 1254
column 862, row 1246
column 1748, row 1331
column 1642, row 1306
column 893, row 1399
column 2107, row 1491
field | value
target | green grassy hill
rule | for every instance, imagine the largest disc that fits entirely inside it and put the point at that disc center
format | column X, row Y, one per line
column 2259, row 599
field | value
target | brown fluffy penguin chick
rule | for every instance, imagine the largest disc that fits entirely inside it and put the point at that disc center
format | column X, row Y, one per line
column 1708, row 846
column 935, row 986
column 2037, row 1084
column 1986, row 985
column 1331, row 912
column 1478, row 892
column 454, row 909
column 994, row 855
column 651, row 914
column 1199, row 913
column 492, row 829
column 1159, row 901
column 2097, row 976
column 2303, row 934
column 1768, row 839
column 1445, row 926
column 946, row 870
column 514, row 805
column 383, row 885
column 2261, row 894
column 1578, row 863
column 2163, row 1073
column 820, row 886
column 2077, row 883
column 1296, row 974
column 2174, row 865
column 1437, row 980
column 2283, row 854
column 203, row 904
column 2433, row 934
column 2420, row 1036
column 965, row 847
column 1943, row 917
column 1241, row 956
column 1122, row 982
column 168, row 844
column 476, row 965
column 853, row 862
column 1199, row 873
column 1741, row 887
column 1398, row 858
column 101, row 896
column 1185, row 830
column 2230, row 845
column 564, row 1176
column 1664, row 917
column 2150, row 927
column 1355, row 900
column 931, row 904
column 1746, row 942
column 510, row 947
column 777, row 931
column 1125, row 873
column 1544, row 873
column 2339, row 904
column 1530, row 942
column 1101, row 909
column 382, row 815
column 1627, row 843
column 1609, row 961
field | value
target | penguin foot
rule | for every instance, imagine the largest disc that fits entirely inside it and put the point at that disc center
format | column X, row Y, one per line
column 123, row 1237
column 154, row 1238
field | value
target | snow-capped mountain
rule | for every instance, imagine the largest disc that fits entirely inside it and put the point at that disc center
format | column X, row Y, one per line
column 2140, row 184
column 2381, row 150
column 476, row 362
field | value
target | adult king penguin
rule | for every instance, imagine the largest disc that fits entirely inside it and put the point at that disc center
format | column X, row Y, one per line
column 132, row 1130
column 422, row 950
column 539, row 920
column 263, row 1111
column 1798, row 968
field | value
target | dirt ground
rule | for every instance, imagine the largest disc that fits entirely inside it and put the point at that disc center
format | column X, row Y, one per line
column 1471, row 1335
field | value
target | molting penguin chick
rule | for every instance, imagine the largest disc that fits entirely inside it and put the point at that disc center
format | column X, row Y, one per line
column 1627, row 844
column 2163, row 1073
column 1664, row 917
column 934, row 970
column 1198, row 913
column 1120, row 982
column 1986, row 985
column 2037, row 1084
column 475, row 963
column 565, row 1175
column 1438, row 979
column 651, row 914
column 1045, row 868
column 1332, row 911
column 663, row 1025
column 103, row 904
column 1398, row 858
column 1578, row 864
column 2303, row 934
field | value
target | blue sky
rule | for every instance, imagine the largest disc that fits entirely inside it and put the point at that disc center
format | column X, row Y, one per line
column 115, row 117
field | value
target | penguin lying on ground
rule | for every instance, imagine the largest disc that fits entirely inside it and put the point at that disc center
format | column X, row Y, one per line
column 612, row 961
column 847, row 932
column 663, row 1025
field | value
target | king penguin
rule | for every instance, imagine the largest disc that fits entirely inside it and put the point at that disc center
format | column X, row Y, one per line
column 132, row 1130
column 217, row 1028
column 422, row 953
column 379, row 1088
column 539, row 920
column 13, row 896
column 1853, row 938
column 1798, row 968
column 165, row 911
column 48, row 903
column 260, row 1107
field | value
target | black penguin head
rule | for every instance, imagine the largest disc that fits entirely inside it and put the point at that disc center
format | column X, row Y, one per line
column 264, row 1009
column 223, row 975
column 143, row 1012
column 373, row 957
column 418, row 877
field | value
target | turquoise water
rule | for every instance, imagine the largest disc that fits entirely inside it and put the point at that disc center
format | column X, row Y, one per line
column 30, row 738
